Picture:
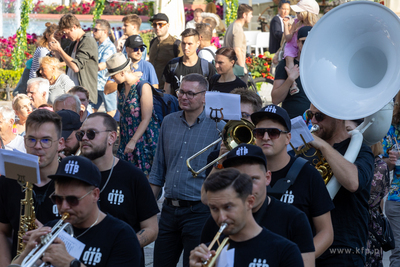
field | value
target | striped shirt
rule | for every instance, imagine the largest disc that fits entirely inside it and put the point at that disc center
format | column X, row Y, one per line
column 177, row 142
column 39, row 53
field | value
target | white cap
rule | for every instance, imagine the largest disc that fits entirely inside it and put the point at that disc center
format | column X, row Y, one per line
column 306, row 5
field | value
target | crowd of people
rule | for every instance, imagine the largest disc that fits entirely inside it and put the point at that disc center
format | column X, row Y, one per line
column 103, row 172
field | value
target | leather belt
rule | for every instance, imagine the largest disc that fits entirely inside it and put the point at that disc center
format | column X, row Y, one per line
column 180, row 203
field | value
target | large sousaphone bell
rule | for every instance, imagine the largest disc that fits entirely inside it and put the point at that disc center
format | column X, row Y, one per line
column 350, row 69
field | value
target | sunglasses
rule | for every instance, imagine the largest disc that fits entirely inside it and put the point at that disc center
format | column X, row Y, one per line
column 273, row 133
column 96, row 30
column 90, row 134
column 160, row 24
column 71, row 200
column 318, row 116
column 138, row 48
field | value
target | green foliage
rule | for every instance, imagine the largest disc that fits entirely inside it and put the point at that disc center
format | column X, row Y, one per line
column 260, row 66
column 98, row 11
column 10, row 77
column 18, row 57
column 231, row 11
column 147, row 37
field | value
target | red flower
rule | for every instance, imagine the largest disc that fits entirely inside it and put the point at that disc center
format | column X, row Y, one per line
column 260, row 56
column 112, row 4
column 263, row 74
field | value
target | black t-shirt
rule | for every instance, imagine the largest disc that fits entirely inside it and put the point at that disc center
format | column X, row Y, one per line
column 111, row 242
column 175, row 78
column 10, row 203
column 350, row 216
column 296, row 104
column 266, row 249
column 280, row 218
column 128, row 195
column 225, row 87
column 308, row 193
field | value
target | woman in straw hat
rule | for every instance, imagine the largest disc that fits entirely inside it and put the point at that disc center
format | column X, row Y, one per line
column 138, row 127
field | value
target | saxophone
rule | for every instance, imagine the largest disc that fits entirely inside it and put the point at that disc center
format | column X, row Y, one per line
column 27, row 220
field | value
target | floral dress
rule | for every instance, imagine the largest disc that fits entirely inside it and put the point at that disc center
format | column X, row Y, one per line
column 379, row 188
column 131, row 116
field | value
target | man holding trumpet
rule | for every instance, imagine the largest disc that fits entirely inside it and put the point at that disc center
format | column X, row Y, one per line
column 108, row 241
column 230, row 199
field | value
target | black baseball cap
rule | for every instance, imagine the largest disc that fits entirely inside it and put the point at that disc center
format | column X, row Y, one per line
column 70, row 122
column 159, row 16
column 79, row 168
column 243, row 151
column 272, row 112
column 303, row 32
column 134, row 41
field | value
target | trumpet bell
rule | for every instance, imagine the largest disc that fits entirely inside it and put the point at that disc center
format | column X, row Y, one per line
column 349, row 63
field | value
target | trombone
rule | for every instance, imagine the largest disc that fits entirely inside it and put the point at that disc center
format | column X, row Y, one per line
column 211, row 261
column 233, row 134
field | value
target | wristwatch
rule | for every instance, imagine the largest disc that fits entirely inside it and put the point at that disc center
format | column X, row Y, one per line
column 75, row 263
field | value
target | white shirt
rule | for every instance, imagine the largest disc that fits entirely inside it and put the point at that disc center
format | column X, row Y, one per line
column 17, row 143
column 206, row 54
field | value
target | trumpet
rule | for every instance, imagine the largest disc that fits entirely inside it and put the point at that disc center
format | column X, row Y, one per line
column 46, row 241
column 233, row 134
column 212, row 260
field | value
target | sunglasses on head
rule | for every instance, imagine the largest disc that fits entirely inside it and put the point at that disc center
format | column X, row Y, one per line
column 318, row 116
column 138, row 48
column 273, row 133
column 91, row 134
column 159, row 24
column 71, row 200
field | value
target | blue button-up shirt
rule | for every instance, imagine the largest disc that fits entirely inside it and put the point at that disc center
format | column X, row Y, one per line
column 106, row 50
column 177, row 142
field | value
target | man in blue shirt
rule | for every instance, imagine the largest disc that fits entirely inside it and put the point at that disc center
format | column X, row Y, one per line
column 134, row 48
column 106, row 48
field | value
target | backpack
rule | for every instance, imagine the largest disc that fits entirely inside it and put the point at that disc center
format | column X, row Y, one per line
column 164, row 104
column 173, row 64
column 210, row 51
column 175, row 46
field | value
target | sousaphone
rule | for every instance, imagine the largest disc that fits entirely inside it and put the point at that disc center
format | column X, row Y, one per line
column 350, row 69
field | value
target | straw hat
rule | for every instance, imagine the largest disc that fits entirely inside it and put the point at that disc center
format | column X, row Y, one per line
column 116, row 63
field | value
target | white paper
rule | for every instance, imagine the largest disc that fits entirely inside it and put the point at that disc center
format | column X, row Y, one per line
column 19, row 158
column 226, row 258
column 230, row 104
column 299, row 127
column 73, row 245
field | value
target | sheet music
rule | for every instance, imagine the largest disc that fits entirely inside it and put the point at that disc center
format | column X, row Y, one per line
column 230, row 103
column 73, row 245
column 19, row 166
column 226, row 258
column 299, row 127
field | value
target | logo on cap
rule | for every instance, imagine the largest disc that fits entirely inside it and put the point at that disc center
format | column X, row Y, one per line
column 242, row 151
column 271, row 109
column 71, row 167
column 138, row 39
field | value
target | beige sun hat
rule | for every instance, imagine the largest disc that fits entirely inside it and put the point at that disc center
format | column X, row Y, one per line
column 116, row 63
column 306, row 5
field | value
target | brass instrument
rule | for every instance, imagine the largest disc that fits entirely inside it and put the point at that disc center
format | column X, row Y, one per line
column 27, row 219
column 46, row 240
column 320, row 162
column 211, row 261
column 233, row 134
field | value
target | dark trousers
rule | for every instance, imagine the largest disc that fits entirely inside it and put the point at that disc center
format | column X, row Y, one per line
column 179, row 228
column 341, row 260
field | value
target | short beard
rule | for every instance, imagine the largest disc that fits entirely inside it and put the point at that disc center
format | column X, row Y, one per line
column 71, row 151
column 96, row 152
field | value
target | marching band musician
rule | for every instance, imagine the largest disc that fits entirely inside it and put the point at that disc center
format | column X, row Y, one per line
column 108, row 241
column 43, row 139
column 230, row 199
column 350, row 216
column 304, row 188
column 182, row 134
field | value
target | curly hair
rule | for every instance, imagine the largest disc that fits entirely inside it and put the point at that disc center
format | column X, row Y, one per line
column 51, row 28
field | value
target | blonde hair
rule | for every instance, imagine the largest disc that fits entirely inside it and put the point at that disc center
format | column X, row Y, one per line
column 51, row 28
column 52, row 62
column 309, row 19
column 377, row 149
column 17, row 98
column 211, row 8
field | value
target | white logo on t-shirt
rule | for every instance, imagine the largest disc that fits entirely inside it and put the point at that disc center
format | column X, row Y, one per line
column 288, row 197
column 271, row 109
column 116, row 197
column 242, row 151
column 55, row 211
column 71, row 167
column 92, row 256
column 258, row 263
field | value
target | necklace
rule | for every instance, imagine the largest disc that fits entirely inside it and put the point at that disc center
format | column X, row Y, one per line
column 98, row 215
column 109, row 176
